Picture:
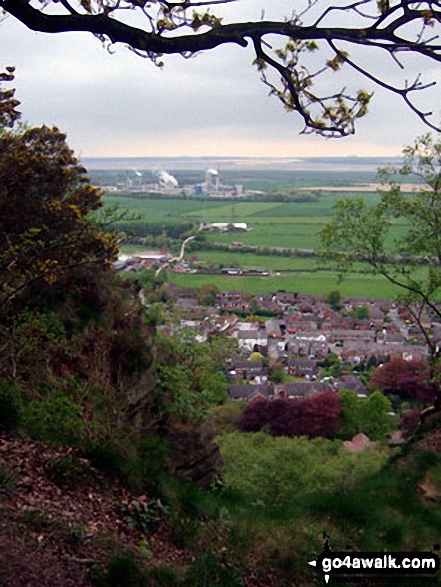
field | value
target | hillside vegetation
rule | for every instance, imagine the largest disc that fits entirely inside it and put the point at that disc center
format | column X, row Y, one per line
column 121, row 461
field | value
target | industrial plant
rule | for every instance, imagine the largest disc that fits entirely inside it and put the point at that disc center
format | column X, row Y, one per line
column 161, row 181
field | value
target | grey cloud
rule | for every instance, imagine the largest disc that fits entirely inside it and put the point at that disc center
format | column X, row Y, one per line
column 70, row 80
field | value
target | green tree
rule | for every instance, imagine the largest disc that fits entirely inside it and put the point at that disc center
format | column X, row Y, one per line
column 360, row 313
column 332, row 365
column 189, row 376
column 254, row 305
column 207, row 294
column 48, row 223
column 372, row 363
column 376, row 419
column 294, row 69
column 277, row 374
column 333, row 299
column 350, row 406
column 411, row 261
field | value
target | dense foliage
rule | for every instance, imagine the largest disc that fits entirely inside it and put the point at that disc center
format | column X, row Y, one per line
column 47, row 230
column 279, row 471
column 408, row 379
column 189, row 375
column 72, row 339
column 316, row 415
column 411, row 261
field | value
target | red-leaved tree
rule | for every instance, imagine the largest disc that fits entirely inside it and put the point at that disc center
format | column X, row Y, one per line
column 317, row 415
column 409, row 379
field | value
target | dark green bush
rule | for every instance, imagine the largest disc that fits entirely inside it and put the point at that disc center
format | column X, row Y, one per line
column 10, row 407
column 122, row 571
column 162, row 577
column 144, row 516
column 107, row 456
column 57, row 420
column 211, row 571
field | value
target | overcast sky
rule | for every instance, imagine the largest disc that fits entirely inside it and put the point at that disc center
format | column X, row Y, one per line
column 211, row 105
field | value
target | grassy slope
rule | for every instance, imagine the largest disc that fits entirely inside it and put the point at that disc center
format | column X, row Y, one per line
column 74, row 532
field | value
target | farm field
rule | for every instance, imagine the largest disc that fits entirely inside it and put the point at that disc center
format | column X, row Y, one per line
column 249, row 261
column 319, row 284
column 292, row 233
column 273, row 225
column 161, row 211
column 273, row 263
column 243, row 209
column 154, row 210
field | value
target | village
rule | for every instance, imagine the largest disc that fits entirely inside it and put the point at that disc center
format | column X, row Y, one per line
column 303, row 345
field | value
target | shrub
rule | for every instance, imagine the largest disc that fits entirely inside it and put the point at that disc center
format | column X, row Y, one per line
column 162, row 577
column 209, row 571
column 108, row 457
column 281, row 471
column 144, row 516
column 226, row 418
column 122, row 571
column 56, row 420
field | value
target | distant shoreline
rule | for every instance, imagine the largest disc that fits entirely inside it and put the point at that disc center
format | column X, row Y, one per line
column 329, row 164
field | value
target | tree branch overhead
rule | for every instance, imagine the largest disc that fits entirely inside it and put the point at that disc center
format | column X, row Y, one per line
column 392, row 27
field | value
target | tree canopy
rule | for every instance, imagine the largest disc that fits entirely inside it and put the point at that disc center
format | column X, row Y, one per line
column 409, row 379
column 46, row 227
column 316, row 415
column 410, row 258
column 293, row 54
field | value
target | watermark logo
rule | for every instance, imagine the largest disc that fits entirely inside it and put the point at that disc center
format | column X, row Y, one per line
column 397, row 564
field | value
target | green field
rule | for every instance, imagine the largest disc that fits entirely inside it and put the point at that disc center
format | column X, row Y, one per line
column 249, row 261
column 273, row 263
column 163, row 211
column 292, row 233
column 253, row 210
column 272, row 225
column 306, row 283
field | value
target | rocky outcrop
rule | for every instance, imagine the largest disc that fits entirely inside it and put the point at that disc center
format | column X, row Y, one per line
column 194, row 454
